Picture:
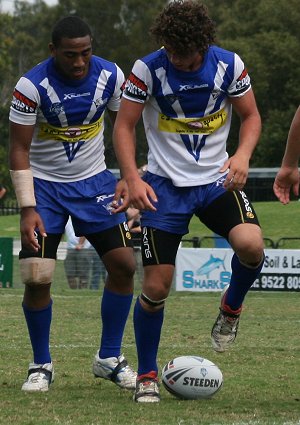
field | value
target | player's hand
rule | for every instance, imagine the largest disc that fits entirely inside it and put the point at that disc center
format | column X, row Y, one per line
column 238, row 167
column 29, row 222
column 285, row 180
column 121, row 199
column 141, row 194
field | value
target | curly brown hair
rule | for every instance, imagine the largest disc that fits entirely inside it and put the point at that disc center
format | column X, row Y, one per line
column 185, row 27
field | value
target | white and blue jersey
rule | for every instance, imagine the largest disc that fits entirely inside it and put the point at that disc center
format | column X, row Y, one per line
column 68, row 116
column 187, row 115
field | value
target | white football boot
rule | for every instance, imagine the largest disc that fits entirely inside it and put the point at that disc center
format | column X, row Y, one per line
column 115, row 369
column 39, row 377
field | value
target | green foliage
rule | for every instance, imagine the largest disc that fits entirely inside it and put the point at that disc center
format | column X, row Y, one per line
column 266, row 34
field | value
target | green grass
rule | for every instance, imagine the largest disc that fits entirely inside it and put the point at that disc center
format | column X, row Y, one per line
column 261, row 371
column 277, row 220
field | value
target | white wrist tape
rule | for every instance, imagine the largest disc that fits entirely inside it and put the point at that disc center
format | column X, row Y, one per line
column 23, row 184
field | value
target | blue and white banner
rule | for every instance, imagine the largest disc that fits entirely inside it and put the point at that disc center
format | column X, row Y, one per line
column 209, row 269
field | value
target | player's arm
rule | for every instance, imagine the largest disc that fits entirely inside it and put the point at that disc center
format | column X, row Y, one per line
column 19, row 163
column 250, row 129
column 288, row 177
column 141, row 194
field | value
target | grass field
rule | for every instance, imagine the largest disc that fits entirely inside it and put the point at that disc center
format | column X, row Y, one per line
column 277, row 220
column 261, row 371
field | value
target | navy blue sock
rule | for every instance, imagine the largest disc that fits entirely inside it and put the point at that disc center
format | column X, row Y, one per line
column 241, row 281
column 147, row 328
column 114, row 313
column 38, row 323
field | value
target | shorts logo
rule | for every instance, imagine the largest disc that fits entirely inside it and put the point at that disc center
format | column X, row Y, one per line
column 220, row 181
column 249, row 212
column 127, row 231
column 146, row 244
column 102, row 198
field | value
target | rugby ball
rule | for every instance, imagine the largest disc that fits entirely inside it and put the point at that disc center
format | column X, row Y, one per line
column 191, row 377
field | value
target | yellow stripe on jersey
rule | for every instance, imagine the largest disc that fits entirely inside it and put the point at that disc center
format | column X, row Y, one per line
column 70, row 134
column 203, row 125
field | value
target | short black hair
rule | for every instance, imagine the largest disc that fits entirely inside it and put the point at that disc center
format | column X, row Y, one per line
column 69, row 27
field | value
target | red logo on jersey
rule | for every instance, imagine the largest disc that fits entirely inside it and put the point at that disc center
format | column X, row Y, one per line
column 243, row 74
column 135, row 87
column 22, row 103
column 243, row 82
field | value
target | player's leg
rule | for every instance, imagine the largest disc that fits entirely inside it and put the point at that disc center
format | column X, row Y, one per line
column 159, row 265
column 240, row 226
column 36, row 271
column 161, row 235
column 92, row 216
column 115, row 249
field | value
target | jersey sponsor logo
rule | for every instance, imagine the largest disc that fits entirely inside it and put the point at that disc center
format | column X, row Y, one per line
column 70, row 134
column 243, row 82
column 187, row 87
column 22, row 103
column 70, row 96
column 71, row 137
column 135, row 87
column 201, row 125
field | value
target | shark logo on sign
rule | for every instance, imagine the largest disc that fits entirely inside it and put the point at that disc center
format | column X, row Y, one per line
column 212, row 264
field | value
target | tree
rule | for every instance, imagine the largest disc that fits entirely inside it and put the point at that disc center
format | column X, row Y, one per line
column 265, row 33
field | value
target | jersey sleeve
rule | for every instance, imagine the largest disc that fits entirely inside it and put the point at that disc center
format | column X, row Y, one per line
column 25, row 103
column 241, row 83
column 114, row 101
column 138, row 86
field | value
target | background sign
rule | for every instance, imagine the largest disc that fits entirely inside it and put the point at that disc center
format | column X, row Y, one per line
column 204, row 269
column 6, row 262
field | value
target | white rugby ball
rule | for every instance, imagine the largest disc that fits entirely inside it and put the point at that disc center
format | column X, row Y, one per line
column 192, row 377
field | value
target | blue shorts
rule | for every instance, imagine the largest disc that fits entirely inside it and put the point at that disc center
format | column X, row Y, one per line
column 219, row 209
column 87, row 201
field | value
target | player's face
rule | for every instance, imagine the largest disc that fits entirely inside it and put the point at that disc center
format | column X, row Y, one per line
column 188, row 63
column 72, row 56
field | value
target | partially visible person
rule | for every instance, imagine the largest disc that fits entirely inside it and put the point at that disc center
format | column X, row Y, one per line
column 58, row 170
column 288, row 177
column 133, row 218
column 2, row 191
column 78, row 262
column 185, row 92
column 98, row 271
